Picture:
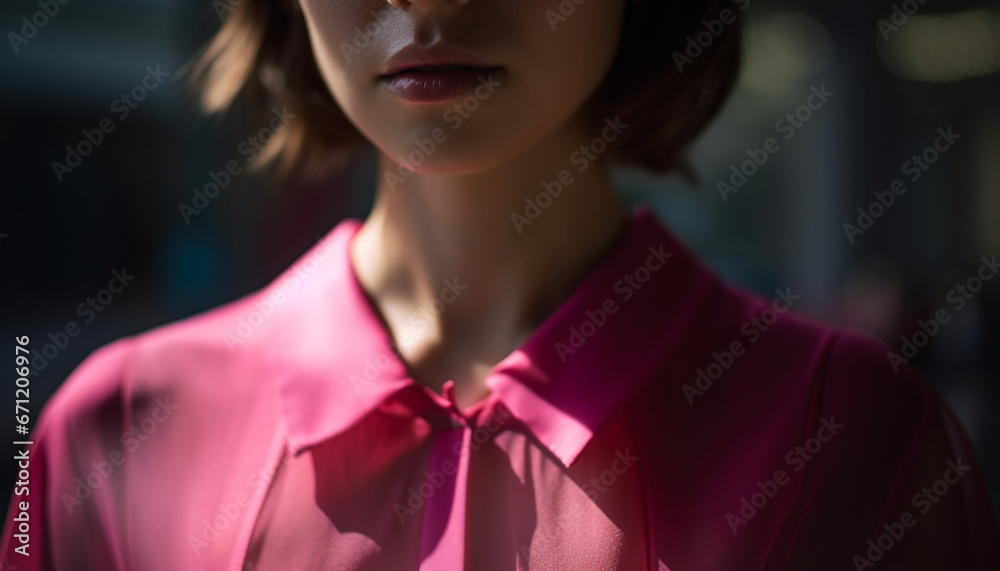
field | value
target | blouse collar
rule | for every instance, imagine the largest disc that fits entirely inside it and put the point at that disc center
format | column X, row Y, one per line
column 333, row 363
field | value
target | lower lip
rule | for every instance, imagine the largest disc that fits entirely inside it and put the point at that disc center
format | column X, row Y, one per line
column 433, row 86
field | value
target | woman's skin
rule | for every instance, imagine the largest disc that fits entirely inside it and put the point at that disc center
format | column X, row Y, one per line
column 451, row 220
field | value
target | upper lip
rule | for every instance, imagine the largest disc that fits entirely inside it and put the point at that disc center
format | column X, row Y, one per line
column 413, row 56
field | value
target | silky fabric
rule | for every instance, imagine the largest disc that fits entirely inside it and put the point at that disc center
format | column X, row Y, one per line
column 658, row 419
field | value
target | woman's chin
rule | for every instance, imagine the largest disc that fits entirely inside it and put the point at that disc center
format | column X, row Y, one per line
column 458, row 160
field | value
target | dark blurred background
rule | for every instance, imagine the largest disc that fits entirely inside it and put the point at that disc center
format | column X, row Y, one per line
column 63, row 233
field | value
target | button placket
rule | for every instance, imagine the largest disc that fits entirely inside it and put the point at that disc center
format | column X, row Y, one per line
column 442, row 542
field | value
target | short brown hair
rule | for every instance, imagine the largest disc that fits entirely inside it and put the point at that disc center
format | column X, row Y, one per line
column 668, row 81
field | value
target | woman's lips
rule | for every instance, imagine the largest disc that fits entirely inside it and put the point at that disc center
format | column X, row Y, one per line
column 436, row 83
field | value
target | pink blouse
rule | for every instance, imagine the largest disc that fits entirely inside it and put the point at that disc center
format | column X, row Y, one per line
column 659, row 419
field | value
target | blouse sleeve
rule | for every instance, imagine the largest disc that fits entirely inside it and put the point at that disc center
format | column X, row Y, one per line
column 937, row 514
column 901, row 488
column 66, row 511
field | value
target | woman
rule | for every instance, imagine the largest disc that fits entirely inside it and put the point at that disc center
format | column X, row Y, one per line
column 502, row 367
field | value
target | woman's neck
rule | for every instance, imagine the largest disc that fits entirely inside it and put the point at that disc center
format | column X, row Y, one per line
column 463, row 267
